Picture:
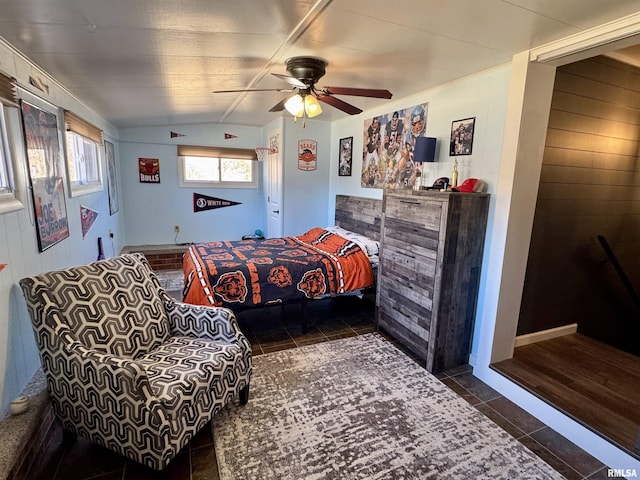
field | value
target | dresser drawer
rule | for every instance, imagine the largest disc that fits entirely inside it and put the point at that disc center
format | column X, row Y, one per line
column 425, row 213
column 402, row 322
column 416, row 268
column 417, row 298
column 423, row 243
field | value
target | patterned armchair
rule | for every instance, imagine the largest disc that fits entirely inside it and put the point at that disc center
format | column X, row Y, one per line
column 127, row 366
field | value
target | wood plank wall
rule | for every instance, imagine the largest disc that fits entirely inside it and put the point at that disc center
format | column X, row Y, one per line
column 359, row 214
column 590, row 186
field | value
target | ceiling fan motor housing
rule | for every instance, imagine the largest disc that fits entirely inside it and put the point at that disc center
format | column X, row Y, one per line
column 306, row 69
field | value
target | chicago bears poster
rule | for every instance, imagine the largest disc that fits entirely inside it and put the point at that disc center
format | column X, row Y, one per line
column 387, row 157
column 307, row 155
column 46, row 174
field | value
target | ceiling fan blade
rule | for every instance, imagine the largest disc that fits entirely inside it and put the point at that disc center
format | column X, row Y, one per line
column 278, row 107
column 359, row 92
column 290, row 80
column 255, row 90
column 339, row 104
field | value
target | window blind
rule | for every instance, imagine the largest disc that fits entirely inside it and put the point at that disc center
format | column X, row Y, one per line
column 75, row 124
column 8, row 91
column 217, row 152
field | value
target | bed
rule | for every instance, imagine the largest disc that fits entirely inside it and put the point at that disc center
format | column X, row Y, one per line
column 325, row 261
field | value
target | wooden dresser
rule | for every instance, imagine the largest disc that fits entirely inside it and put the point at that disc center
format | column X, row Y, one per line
column 431, row 254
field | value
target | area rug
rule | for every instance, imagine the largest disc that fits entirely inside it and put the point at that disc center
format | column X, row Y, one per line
column 359, row 408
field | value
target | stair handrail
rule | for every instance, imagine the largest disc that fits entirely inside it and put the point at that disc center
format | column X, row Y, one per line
column 619, row 270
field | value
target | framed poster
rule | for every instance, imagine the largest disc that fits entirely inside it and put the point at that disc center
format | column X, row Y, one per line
column 461, row 142
column 345, row 156
column 45, row 174
column 387, row 153
column 112, row 177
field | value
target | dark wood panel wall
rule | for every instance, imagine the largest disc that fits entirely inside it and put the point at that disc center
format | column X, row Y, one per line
column 590, row 186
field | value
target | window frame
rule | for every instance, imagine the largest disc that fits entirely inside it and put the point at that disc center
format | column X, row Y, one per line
column 6, row 168
column 216, row 154
column 11, row 196
column 76, row 130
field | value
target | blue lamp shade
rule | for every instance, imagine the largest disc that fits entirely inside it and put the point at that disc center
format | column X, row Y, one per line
column 424, row 149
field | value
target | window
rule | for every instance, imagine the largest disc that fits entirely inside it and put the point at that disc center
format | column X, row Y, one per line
column 6, row 176
column 9, row 183
column 84, row 169
column 210, row 167
column 83, row 165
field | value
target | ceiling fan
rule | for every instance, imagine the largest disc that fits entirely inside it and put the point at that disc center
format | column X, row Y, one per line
column 304, row 73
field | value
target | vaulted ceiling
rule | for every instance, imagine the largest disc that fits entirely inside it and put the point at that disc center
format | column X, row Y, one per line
column 157, row 62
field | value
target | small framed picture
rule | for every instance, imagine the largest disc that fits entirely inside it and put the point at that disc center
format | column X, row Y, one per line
column 462, row 137
column 112, row 182
column 345, row 157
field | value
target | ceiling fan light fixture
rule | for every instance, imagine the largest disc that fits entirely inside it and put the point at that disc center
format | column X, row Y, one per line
column 295, row 105
column 303, row 75
column 312, row 106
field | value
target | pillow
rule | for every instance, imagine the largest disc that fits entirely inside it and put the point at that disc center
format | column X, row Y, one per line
column 371, row 247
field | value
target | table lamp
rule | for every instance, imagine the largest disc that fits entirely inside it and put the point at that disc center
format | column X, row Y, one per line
column 424, row 151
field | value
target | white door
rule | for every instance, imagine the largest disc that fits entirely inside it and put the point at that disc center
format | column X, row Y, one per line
column 274, row 188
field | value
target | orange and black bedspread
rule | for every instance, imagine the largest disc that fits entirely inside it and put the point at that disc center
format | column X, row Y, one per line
column 249, row 273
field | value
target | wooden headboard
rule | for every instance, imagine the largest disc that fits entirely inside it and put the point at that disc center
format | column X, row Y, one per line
column 360, row 215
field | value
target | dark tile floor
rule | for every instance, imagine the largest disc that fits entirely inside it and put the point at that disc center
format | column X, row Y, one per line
column 268, row 331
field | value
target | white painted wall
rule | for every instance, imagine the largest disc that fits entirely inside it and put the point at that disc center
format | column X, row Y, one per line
column 152, row 210
column 18, row 241
column 306, row 193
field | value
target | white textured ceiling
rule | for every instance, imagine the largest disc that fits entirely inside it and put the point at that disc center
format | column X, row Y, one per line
column 156, row 62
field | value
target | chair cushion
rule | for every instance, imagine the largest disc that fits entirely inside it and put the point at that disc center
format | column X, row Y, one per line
column 112, row 305
column 185, row 370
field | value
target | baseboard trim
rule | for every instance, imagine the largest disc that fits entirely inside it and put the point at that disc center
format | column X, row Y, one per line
column 473, row 359
column 542, row 335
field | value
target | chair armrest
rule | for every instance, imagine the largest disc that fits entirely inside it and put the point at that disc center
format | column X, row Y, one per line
column 201, row 321
column 108, row 372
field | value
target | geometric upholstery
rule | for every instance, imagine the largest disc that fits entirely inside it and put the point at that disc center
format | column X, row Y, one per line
column 132, row 318
column 128, row 366
column 173, row 379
